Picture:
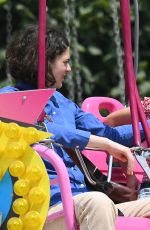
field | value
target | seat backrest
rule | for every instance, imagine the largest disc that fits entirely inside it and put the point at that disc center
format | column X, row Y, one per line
column 96, row 104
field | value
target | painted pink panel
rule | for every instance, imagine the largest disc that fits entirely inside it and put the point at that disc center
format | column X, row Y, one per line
column 134, row 223
column 24, row 106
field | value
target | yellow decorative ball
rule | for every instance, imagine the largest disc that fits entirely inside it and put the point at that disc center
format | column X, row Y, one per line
column 14, row 224
column 20, row 206
column 17, row 168
column 32, row 219
column 21, row 187
column 36, row 195
column 34, row 173
column 13, row 131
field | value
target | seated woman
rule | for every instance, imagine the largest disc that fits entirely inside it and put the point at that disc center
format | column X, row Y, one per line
column 72, row 127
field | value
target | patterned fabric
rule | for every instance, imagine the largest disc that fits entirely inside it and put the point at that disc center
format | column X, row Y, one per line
column 145, row 186
column 146, row 106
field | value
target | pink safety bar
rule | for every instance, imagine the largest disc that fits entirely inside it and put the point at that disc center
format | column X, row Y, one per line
column 64, row 182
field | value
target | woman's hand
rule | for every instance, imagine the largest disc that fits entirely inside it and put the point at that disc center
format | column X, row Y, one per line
column 123, row 154
column 118, row 151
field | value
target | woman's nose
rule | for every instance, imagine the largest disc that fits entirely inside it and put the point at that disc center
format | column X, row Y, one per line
column 68, row 68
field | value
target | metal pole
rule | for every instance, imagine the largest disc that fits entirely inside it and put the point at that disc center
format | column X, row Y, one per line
column 137, row 112
column 41, row 44
column 136, row 37
column 130, row 75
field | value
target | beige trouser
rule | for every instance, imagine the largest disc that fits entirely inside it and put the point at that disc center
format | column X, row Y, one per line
column 95, row 211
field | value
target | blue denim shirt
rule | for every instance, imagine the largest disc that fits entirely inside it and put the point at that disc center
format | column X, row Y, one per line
column 72, row 127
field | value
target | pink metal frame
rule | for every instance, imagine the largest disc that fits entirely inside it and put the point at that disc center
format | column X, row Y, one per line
column 41, row 44
column 137, row 112
column 63, row 180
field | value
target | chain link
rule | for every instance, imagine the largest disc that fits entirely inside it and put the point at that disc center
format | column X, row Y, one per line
column 69, row 81
column 67, row 19
column 75, row 52
column 8, row 34
column 119, row 50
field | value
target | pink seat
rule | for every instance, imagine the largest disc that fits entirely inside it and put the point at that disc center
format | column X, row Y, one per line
column 99, row 158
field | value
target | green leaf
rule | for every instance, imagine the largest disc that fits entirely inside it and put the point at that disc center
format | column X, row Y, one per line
column 3, row 2
column 94, row 50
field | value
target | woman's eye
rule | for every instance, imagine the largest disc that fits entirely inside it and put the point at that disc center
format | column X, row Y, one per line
column 67, row 62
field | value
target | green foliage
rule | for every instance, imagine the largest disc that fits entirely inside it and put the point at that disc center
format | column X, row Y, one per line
column 96, row 45
column 2, row 2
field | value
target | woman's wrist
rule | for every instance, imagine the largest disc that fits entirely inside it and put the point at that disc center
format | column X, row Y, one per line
column 101, row 143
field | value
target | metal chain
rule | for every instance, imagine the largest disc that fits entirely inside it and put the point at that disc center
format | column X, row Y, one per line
column 119, row 50
column 75, row 52
column 69, row 81
column 136, row 37
column 67, row 19
column 8, row 36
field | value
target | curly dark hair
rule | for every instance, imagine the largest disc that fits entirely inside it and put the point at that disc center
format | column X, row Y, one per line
column 22, row 54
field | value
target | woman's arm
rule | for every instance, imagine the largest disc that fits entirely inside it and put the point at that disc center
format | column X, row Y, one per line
column 118, row 151
column 119, row 117
column 70, row 138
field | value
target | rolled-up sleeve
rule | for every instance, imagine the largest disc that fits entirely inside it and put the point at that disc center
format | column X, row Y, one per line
column 69, row 138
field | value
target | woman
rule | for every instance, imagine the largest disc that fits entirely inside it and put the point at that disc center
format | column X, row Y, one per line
column 72, row 127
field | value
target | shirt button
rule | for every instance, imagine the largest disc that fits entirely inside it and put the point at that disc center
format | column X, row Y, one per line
column 82, row 185
column 54, row 113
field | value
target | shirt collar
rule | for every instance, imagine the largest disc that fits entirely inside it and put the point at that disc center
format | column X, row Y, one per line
column 23, row 86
